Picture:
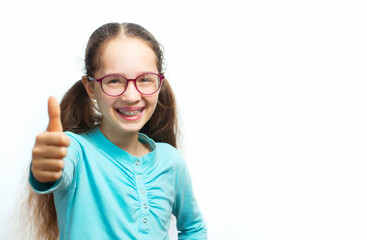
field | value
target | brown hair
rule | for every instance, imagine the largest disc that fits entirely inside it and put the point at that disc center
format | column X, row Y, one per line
column 80, row 114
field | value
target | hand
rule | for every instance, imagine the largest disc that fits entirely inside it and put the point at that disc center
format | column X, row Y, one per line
column 50, row 147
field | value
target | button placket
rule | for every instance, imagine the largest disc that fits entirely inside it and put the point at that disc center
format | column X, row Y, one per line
column 143, row 199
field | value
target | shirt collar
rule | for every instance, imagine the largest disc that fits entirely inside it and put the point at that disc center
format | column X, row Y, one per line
column 121, row 155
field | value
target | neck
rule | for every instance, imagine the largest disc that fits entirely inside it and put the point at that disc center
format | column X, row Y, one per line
column 127, row 141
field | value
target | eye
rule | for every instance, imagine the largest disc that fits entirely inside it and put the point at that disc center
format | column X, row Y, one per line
column 113, row 80
column 145, row 79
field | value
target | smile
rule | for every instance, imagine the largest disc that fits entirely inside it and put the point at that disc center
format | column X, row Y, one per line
column 129, row 113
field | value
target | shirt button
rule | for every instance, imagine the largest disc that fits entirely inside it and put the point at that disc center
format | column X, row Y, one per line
column 138, row 177
column 145, row 220
column 142, row 191
column 145, row 206
column 137, row 162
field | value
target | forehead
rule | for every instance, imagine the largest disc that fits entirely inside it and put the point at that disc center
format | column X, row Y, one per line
column 128, row 56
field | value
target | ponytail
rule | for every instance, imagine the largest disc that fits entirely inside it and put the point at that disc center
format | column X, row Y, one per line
column 41, row 214
column 162, row 126
column 78, row 111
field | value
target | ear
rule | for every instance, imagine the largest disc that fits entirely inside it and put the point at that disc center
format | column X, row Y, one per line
column 89, row 86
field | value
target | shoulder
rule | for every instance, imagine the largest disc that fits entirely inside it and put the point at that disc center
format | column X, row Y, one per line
column 162, row 146
column 170, row 153
column 81, row 137
column 167, row 149
column 79, row 141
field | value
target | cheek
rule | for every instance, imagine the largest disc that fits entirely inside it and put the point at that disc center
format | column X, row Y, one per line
column 103, row 101
column 152, row 102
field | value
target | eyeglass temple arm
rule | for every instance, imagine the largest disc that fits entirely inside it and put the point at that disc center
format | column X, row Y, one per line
column 91, row 78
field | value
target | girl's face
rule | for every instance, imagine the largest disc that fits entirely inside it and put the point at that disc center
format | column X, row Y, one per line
column 129, row 112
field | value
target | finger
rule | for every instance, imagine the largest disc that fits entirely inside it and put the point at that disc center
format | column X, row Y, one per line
column 54, row 124
column 53, row 139
column 46, row 152
column 48, row 165
column 47, row 176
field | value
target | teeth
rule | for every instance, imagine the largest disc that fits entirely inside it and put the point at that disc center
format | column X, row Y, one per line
column 127, row 113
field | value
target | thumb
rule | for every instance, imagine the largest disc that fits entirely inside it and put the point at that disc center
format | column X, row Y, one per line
column 54, row 124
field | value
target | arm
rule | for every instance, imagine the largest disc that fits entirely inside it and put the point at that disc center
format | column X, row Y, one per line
column 190, row 222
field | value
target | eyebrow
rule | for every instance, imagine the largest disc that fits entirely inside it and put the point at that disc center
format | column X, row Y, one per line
column 122, row 74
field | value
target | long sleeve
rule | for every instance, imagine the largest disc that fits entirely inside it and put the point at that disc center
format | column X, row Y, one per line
column 70, row 165
column 190, row 222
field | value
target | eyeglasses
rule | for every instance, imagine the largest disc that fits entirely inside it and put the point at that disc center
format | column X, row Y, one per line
column 115, row 84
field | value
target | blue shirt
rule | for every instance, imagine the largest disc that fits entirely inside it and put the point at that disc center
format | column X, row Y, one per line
column 107, row 193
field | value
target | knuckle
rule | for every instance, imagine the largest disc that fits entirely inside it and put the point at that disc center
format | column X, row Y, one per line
column 36, row 152
column 65, row 139
column 44, row 138
column 39, row 138
column 63, row 152
column 37, row 170
column 57, row 175
column 59, row 138
column 52, row 177
column 61, row 164
column 34, row 166
column 38, row 176
column 34, row 170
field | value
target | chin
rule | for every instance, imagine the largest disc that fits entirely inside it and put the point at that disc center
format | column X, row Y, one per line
column 131, row 129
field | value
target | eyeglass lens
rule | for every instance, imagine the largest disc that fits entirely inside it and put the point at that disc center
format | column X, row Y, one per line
column 115, row 84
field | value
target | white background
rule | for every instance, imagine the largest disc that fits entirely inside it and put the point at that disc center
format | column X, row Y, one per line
column 272, row 97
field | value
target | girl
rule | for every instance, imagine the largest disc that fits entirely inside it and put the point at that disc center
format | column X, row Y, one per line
column 115, row 173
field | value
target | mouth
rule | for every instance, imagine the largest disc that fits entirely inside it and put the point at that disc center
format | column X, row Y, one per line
column 130, row 112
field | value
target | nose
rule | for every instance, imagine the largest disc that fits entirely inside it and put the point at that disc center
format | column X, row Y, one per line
column 131, row 94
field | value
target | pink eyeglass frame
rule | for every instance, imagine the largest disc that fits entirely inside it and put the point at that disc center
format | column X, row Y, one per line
column 161, row 77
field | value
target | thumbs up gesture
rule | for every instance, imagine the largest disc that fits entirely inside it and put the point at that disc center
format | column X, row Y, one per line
column 50, row 147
